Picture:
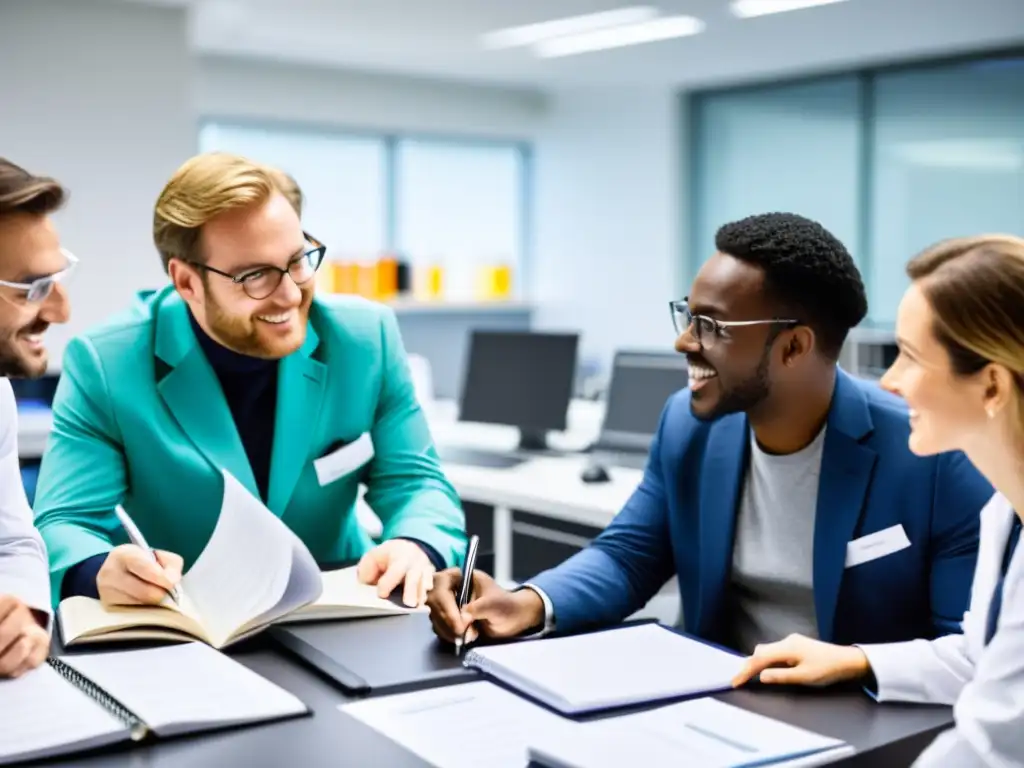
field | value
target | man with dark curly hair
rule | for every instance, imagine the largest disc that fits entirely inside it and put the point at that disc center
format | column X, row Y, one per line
column 779, row 490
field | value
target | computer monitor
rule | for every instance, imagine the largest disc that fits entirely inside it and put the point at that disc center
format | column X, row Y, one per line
column 520, row 379
column 641, row 383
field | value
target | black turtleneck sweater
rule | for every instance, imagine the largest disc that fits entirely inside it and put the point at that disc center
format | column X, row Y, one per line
column 250, row 389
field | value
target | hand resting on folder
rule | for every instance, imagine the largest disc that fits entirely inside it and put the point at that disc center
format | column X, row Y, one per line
column 492, row 611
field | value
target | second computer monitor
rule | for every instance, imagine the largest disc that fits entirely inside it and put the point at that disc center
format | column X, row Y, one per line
column 641, row 383
column 520, row 379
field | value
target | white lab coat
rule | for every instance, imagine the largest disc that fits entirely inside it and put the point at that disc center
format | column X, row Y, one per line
column 985, row 684
column 24, row 571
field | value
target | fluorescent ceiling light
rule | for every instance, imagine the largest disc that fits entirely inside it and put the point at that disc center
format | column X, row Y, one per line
column 747, row 9
column 573, row 25
column 664, row 28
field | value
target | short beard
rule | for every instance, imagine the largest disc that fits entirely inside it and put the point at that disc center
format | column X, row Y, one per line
column 750, row 393
column 16, row 366
column 745, row 396
column 242, row 334
column 231, row 330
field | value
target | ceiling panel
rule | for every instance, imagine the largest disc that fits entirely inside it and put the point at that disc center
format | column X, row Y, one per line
column 440, row 38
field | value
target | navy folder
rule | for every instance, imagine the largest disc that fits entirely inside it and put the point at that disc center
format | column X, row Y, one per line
column 390, row 654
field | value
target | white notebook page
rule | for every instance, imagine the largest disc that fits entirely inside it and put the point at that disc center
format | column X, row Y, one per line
column 245, row 569
column 612, row 668
column 343, row 587
column 41, row 712
column 703, row 733
column 185, row 687
column 460, row 726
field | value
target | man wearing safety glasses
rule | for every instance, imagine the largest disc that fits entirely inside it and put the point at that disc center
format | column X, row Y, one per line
column 237, row 366
column 779, row 490
column 32, row 264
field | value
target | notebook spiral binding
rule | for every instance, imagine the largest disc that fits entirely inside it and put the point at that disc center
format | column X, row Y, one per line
column 474, row 659
column 139, row 729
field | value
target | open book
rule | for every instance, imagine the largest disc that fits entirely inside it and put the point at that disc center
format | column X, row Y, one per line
column 87, row 701
column 253, row 572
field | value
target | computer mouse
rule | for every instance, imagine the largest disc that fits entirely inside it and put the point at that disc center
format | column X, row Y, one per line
column 595, row 473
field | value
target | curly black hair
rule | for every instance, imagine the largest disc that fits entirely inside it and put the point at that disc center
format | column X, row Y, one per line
column 807, row 271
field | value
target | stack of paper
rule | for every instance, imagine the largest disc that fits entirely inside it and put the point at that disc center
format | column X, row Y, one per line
column 461, row 726
column 704, row 733
column 474, row 724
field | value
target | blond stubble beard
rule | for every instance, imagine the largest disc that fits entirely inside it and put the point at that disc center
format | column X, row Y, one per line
column 242, row 334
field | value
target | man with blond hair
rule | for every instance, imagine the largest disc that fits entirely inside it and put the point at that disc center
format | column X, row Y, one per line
column 238, row 366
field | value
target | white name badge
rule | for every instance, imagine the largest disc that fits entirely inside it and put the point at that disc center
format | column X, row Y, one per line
column 345, row 460
column 876, row 545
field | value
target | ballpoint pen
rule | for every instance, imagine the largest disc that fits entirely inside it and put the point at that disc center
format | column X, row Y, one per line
column 136, row 537
column 466, row 588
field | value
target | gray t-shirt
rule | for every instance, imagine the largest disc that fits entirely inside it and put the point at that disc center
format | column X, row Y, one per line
column 773, row 554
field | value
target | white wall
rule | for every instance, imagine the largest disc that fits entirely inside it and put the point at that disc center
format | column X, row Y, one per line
column 298, row 94
column 607, row 206
column 609, row 212
column 97, row 94
column 271, row 92
column 116, row 113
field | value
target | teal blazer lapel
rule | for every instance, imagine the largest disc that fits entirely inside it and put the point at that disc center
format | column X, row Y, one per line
column 725, row 460
column 847, row 465
column 300, row 389
column 193, row 395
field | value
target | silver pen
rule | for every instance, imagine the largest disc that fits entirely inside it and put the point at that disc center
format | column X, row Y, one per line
column 466, row 587
column 136, row 537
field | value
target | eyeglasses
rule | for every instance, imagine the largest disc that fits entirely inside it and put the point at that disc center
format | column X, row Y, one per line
column 708, row 330
column 40, row 288
column 261, row 282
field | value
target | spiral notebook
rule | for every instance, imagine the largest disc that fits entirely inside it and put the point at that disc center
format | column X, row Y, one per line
column 83, row 702
column 618, row 667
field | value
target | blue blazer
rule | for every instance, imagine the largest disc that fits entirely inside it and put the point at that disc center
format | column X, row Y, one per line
column 681, row 521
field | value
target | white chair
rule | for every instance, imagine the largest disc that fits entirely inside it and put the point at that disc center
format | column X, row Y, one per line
column 422, row 379
column 367, row 518
column 423, row 386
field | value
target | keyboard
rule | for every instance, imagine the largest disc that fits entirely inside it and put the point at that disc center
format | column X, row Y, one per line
column 620, row 459
column 475, row 457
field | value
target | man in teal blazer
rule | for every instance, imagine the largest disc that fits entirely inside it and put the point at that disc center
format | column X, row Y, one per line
column 237, row 366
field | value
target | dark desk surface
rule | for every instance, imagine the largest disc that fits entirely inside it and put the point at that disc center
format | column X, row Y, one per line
column 883, row 734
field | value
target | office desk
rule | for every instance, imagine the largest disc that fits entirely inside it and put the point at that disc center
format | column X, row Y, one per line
column 546, row 485
column 884, row 735
column 549, row 486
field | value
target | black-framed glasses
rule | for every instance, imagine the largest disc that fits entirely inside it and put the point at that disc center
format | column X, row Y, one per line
column 39, row 289
column 708, row 330
column 261, row 282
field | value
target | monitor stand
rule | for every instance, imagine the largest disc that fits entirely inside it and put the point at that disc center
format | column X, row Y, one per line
column 533, row 441
column 477, row 457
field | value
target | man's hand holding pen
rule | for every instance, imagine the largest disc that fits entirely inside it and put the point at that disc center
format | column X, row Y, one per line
column 492, row 612
column 130, row 576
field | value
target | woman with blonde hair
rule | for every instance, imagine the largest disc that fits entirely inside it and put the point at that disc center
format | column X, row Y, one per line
column 960, row 331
